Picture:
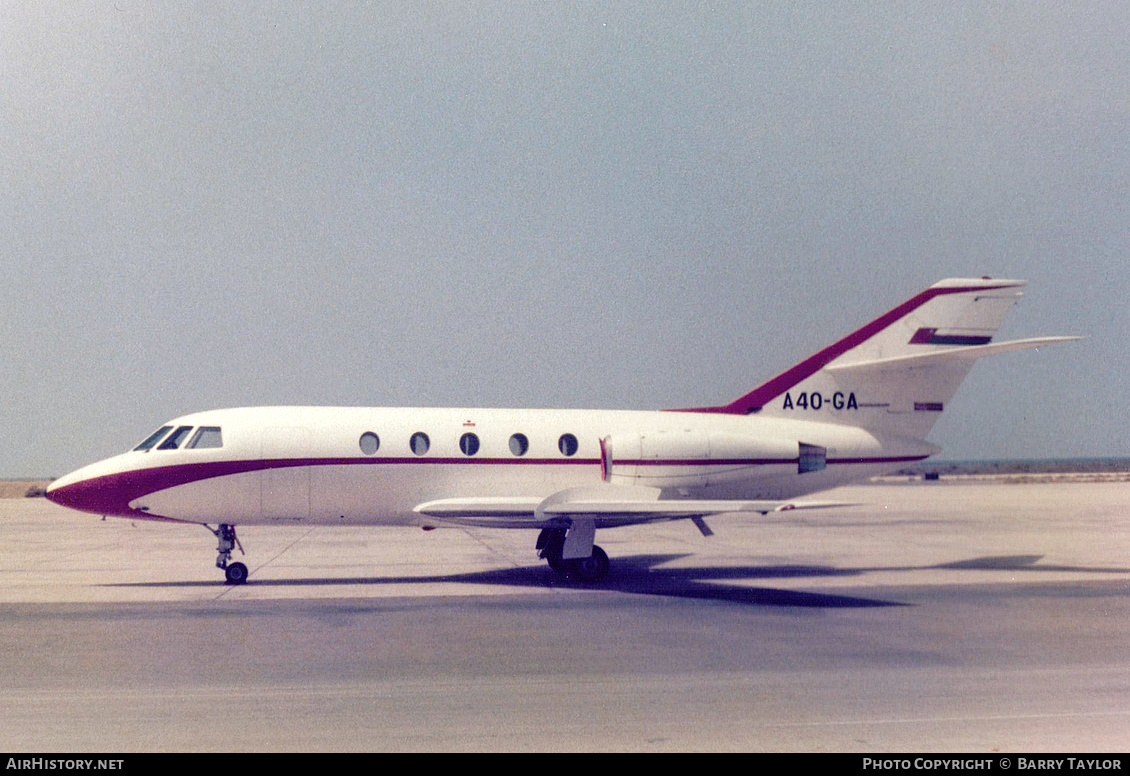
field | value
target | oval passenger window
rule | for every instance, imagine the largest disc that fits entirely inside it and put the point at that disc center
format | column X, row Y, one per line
column 567, row 444
column 469, row 444
column 370, row 443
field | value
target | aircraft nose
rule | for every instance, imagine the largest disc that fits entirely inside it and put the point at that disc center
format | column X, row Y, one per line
column 73, row 492
column 90, row 489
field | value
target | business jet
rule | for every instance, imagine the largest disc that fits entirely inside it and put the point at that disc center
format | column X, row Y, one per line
column 860, row 407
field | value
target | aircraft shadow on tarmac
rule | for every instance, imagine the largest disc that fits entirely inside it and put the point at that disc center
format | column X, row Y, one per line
column 639, row 574
column 648, row 575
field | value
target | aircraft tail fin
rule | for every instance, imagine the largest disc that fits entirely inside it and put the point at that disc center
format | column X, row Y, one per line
column 895, row 374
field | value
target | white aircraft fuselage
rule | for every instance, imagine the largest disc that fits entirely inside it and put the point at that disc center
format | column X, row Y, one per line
column 308, row 464
column 859, row 407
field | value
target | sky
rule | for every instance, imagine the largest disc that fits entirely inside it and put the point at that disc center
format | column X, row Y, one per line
column 547, row 204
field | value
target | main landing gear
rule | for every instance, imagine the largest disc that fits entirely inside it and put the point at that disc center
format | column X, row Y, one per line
column 570, row 551
column 235, row 573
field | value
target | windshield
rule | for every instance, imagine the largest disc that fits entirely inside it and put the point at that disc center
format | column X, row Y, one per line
column 175, row 438
column 153, row 438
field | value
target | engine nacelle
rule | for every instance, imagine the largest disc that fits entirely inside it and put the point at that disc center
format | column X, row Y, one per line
column 696, row 459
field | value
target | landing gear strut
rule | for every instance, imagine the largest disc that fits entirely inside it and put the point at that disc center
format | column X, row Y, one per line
column 550, row 543
column 235, row 573
column 587, row 568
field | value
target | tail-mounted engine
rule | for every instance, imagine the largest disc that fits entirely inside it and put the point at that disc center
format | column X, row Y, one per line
column 695, row 459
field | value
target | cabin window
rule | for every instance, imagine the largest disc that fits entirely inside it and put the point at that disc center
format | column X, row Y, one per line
column 370, row 443
column 206, row 436
column 153, row 438
column 419, row 443
column 175, row 438
column 519, row 444
column 567, row 444
column 469, row 444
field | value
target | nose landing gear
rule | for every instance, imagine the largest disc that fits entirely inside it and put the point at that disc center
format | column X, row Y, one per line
column 235, row 573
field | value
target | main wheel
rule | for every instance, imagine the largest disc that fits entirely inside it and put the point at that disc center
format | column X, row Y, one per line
column 236, row 574
column 557, row 563
column 591, row 569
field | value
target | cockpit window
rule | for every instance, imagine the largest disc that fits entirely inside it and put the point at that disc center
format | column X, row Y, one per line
column 175, row 438
column 206, row 436
column 153, row 438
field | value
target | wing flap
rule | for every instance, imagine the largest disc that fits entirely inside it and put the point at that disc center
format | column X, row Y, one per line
column 669, row 509
column 607, row 506
column 504, row 507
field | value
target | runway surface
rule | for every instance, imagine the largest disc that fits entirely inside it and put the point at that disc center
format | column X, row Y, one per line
column 950, row 616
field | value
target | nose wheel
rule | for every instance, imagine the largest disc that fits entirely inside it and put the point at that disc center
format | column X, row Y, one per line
column 234, row 573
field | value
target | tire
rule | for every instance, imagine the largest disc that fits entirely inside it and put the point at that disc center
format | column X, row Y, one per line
column 236, row 574
column 591, row 569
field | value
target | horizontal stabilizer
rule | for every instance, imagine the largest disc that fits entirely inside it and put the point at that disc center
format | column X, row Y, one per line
column 968, row 353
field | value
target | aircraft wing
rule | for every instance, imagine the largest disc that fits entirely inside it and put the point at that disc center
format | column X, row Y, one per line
column 607, row 506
